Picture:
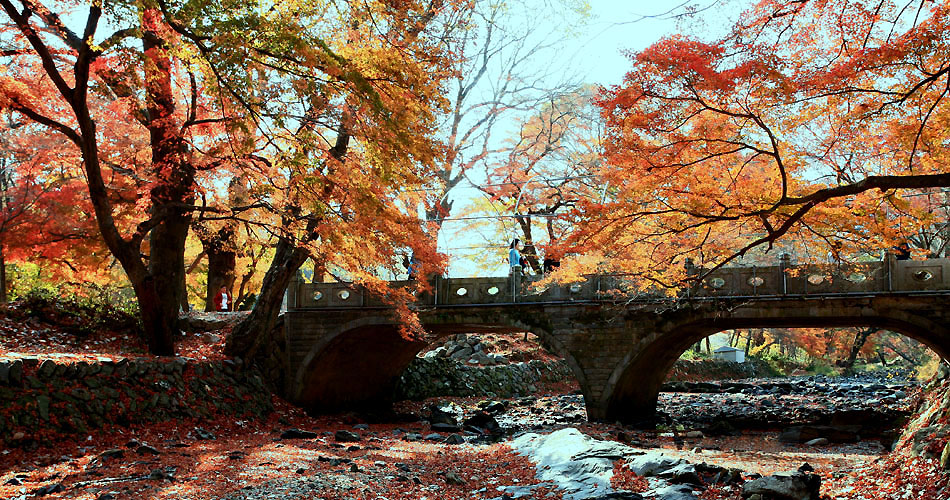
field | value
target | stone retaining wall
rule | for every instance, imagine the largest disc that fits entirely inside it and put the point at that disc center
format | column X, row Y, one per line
column 435, row 377
column 45, row 397
column 700, row 370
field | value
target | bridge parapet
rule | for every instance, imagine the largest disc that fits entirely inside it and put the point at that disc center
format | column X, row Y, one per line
column 785, row 279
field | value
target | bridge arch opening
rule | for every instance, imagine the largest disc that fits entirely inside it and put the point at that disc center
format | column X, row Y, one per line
column 359, row 365
column 634, row 387
column 489, row 365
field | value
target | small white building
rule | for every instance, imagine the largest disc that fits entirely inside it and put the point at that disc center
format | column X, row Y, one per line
column 730, row 354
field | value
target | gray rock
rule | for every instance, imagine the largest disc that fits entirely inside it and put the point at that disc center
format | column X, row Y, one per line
column 147, row 450
column 49, row 489
column 817, row 442
column 454, row 439
column 463, row 353
column 652, row 463
column 438, row 415
column 298, row 434
column 42, row 402
column 453, row 478
column 202, row 434
column 682, row 474
column 114, row 453
column 785, row 486
column 579, row 465
column 672, row 492
column 445, row 427
column 347, row 436
column 16, row 373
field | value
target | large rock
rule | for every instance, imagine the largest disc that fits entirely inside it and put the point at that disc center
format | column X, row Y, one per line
column 579, row 465
column 784, row 486
column 653, row 463
column 833, row 433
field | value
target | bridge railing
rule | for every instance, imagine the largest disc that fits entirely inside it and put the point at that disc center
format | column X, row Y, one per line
column 784, row 279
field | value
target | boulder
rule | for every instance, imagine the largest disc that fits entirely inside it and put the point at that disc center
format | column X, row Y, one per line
column 347, row 436
column 579, row 465
column 673, row 492
column 483, row 421
column 297, row 434
column 653, row 463
column 784, row 486
column 437, row 415
column 833, row 433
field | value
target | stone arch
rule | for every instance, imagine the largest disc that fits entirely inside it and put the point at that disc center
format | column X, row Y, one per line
column 633, row 388
column 354, row 367
column 358, row 364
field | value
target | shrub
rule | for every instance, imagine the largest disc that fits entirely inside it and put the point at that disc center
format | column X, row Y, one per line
column 77, row 312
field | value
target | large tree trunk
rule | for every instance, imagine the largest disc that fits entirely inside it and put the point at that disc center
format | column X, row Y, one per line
column 175, row 177
column 248, row 337
column 158, row 332
column 167, row 267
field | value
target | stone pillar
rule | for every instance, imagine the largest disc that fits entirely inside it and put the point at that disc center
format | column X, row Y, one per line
column 515, row 278
column 784, row 263
column 290, row 296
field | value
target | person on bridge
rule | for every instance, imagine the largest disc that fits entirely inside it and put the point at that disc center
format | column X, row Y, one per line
column 514, row 256
column 412, row 266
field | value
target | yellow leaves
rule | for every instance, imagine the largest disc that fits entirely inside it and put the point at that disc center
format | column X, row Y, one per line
column 16, row 93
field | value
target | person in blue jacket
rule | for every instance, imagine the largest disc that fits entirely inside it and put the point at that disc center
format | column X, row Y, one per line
column 514, row 256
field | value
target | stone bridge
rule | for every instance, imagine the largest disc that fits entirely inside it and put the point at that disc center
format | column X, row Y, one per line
column 345, row 349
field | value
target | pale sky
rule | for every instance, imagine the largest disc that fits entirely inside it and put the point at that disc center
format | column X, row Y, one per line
column 596, row 55
column 618, row 25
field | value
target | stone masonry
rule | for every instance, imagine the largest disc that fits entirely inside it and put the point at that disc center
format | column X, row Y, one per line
column 344, row 350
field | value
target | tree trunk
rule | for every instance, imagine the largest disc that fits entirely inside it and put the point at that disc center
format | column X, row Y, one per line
column 3, row 276
column 906, row 357
column 222, row 261
column 708, row 347
column 748, row 343
column 220, row 273
column 860, row 337
column 249, row 336
column 158, row 333
column 175, row 177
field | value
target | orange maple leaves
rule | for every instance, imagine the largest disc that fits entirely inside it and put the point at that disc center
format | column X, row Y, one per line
column 809, row 122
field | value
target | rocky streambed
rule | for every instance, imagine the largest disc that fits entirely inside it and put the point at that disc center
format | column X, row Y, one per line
column 839, row 409
column 527, row 447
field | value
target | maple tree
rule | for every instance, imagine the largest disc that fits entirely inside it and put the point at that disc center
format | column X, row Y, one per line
column 323, row 109
column 41, row 193
column 811, row 122
column 88, row 80
column 343, row 183
column 545, row 171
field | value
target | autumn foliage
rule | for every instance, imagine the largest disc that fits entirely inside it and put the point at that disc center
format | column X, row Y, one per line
column 809, row 123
